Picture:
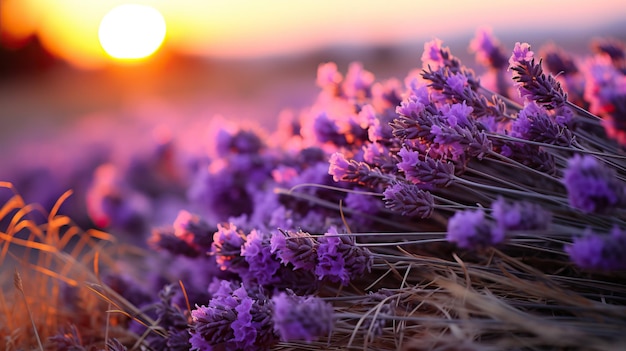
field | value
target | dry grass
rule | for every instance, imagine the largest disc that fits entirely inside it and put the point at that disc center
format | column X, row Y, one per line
column 50, row 260
column 518, row 300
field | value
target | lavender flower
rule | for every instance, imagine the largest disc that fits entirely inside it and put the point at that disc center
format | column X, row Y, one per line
column 533, row 123
column 226, row 247
column 298, row 318
column 358, row 82
column 412, row 105
column 239, row 142
column 327, row 76
column 558, row 61
column 470, row 229
column 327, row 130
column 233, row 320
column 592, row 187
column 599, row 252
column 530, row 155
column 339, row 259
column 112, row 203
column 532, row 82
column 354, row 172
column 427, row 172
column 380, row 156
column 459, row 86
column 520, row 215
column 194, row 230
column 612, row 48
column 488, row 49
column 409, row 200
column 432, row 55
column 262, row 264
column 165, row 239
column 521, row 54
column 296, row 248
column 417, row 124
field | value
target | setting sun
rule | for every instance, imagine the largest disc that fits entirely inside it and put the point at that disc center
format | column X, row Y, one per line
column 131, row 31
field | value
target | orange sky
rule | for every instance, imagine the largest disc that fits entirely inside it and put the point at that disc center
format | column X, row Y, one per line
column 246, row 28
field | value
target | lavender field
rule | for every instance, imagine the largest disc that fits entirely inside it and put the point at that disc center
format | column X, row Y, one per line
column 475, row 205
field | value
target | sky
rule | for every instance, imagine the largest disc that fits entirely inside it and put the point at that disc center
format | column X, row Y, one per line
column 258, row 28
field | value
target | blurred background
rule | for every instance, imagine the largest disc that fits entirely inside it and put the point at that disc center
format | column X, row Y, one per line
column 75, row 71
column 247, row 58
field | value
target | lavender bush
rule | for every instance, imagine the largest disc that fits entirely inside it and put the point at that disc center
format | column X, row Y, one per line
column 456, row 211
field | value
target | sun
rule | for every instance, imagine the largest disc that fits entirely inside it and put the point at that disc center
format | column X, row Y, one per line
column 131, row 31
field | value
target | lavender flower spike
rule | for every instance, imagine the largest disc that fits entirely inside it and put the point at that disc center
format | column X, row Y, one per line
column 592, row 187
column 354, row 172
column 521, row 215
column 487, row 48
column 599, row 252
column 427, row 172
column 339, row 259
column 521, row 54
column 532, row 82
column 409, row 200
column 471, row 230
column 298, row 318
column 297, row 248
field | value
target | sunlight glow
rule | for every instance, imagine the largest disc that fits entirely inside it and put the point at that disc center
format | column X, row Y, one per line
column 69, row 30
column 132, row 31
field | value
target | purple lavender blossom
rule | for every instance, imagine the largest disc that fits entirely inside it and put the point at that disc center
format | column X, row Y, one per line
column 457, row 82
column 533, row 123
column 521, row 53
column 488, row 49
column 238, row 141
column 417, row 124
column 592, row 187
column 558, row 61
column 194, row 230
column 262, row 265
column 111, row 202
column 427, row 172
column 358, row 82
column 412, row 106
column 532, row 83
column 529, row 155
column 233, row 320
column 340, row 259
column 599, row 252
column 328, row 77
column 409, row 200
column 380, row 156
column 432, row 54
column 470, row 229
column 165, row 239
column 612, row 48
column 520, row 215
column 227, row 244
column 299, row 318
column 353, row 171
column 296, row 248
column 327, row 130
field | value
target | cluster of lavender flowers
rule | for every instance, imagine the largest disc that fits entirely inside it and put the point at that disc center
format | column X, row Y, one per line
column 265, row 232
